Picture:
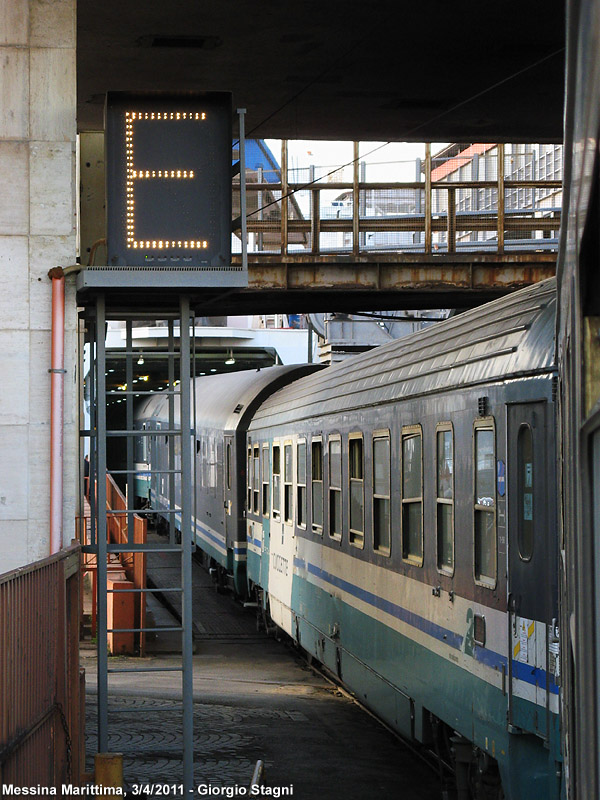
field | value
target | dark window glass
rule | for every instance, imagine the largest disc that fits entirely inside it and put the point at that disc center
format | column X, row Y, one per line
column 525, row 488
column 335, row 488
column 485, row 476
column 485, row 505
column 248, row 479
column 256, row 480
column 445, row 499
column 228, row 464
column 287, row 478
column 276, row 481
column 412, row 501
column 317, row 485
column 301, row 482
column 265, row 481
column 357, row 501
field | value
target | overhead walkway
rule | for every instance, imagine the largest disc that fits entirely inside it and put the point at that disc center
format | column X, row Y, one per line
column 479, row 221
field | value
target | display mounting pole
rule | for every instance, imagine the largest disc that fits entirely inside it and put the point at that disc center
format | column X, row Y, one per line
column 244, row 234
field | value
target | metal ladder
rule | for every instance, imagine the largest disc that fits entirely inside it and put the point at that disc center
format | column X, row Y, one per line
column 179, row 390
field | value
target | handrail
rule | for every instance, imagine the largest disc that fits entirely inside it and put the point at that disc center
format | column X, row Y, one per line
column 439, row 215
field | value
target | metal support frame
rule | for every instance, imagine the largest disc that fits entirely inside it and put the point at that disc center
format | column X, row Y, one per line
column 501, row 198
column 99, row 469
column 355, row 199
column 284, row 197
column 428, row 197
column 243, row 209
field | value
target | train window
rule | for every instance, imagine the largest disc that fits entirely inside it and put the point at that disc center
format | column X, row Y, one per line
column 288, row 484
column 228, row 465
column 357, row 495
column 301, row 483
column 256, row 479
column 381, row 493
column 445, row 498
column 249, row 480
column 485, row 504
column 412, row 495
column 266, row 480
column 276, row 481
column 525, row 479
column 317, row 485
column 335, row 487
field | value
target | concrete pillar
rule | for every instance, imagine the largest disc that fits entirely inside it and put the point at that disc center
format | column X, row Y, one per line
column 37, row 232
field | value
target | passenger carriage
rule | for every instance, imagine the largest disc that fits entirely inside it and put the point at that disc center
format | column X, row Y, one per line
column 406, row 534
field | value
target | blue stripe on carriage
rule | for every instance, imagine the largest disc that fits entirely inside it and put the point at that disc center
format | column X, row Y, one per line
column 522, row 672
column 210, row 535
column 533, row 675
column 444, row 635
column 255, row 542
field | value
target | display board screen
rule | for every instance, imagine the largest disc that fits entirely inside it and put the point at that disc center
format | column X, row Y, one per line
column 168, row 168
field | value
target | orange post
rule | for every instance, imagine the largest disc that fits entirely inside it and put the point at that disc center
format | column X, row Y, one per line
column 120, row 615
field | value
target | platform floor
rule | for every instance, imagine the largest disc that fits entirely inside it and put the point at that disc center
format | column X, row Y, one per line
column 254, row 698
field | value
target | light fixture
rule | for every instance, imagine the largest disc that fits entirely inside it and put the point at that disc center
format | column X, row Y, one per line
column 231, row 359
column 140, row 360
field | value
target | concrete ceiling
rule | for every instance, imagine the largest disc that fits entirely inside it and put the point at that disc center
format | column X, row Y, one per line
column 423, row 71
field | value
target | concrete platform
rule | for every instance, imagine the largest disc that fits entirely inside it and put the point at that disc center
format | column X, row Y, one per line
column 254, row 698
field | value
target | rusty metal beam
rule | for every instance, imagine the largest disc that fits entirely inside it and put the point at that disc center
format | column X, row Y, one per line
column 433, row 273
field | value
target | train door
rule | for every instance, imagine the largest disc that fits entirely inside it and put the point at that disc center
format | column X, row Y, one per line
column 282, row 538
column 531, row 524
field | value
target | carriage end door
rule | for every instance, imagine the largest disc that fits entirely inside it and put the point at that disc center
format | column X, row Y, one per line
column 531, row 526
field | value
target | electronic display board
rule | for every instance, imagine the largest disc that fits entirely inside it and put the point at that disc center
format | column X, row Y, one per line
column 168, row 179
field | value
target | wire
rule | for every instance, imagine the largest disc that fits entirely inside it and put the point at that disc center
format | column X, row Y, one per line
column 405, row 318
column 410, row 132
column 316, row 79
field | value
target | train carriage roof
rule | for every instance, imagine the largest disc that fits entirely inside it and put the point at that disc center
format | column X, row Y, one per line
column 510, row 337
column 225, row 401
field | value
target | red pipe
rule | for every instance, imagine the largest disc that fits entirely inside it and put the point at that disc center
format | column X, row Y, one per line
column 57, row 373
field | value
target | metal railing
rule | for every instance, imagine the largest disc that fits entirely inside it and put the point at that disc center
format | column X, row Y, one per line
column 41, row 688
column 441, row 213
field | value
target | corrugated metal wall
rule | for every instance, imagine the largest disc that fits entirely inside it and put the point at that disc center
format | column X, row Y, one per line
column 41, row 722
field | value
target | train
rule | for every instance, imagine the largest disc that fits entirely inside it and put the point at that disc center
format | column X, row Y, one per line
column 396, row 516
column 579, row 404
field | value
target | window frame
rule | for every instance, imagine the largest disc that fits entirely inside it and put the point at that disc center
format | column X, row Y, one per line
column 288, row 485
column 337, row 537
column 276, row 510
column 381, row 434
column 266, row 484
column 410, row 432
column 315, row 527
column 256, row 479
column 249, row 466
column 356, row 538
column 443, row 427
column 228, row 462
column 300, row 485
column 484, row 423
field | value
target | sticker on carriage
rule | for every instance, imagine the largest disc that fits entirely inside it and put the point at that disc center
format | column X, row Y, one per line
column 501, row 478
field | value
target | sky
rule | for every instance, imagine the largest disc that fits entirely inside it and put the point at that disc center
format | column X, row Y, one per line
column 393, row 161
